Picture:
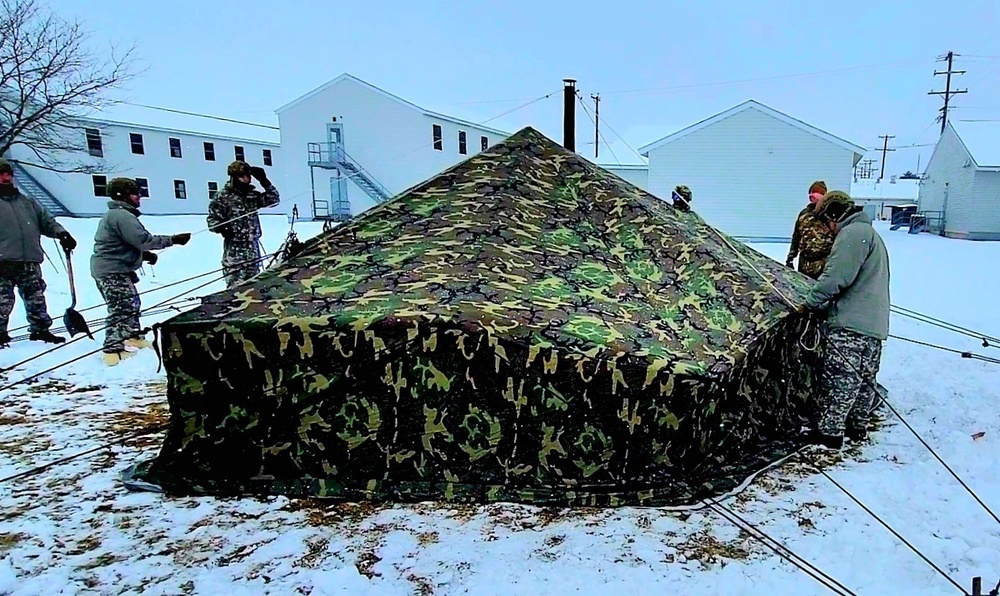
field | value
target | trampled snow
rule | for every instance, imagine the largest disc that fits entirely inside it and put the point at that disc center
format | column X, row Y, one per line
column 75, row 529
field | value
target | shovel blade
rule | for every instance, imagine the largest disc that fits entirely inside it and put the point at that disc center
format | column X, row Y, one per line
column 75, row 323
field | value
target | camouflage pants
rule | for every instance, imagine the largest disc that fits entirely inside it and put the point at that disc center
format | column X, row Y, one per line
column 811, row 268
column 240, row 262
column 847, row 381
column 27, row 277
column 123, row 304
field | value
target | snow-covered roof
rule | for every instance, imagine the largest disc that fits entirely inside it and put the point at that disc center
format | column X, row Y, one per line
column 615, row 154
column 751, row 104
column 981, row 139
column 906, row 189
column 396, row 98
column 165, row 120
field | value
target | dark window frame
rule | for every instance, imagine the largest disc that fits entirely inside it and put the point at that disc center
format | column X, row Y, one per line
column 175, row 151
column 438, row 134
column 209, row 151
column 95, row 145
column 136, row 141
column 100, row 182
column 143, row 187
column 180, row 188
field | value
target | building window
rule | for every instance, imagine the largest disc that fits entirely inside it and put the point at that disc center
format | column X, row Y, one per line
column 484, row 143
column 240, row 154
column 94, row 146
column 267, row 157
column 136, row 140
column 462, row 148
column 175, row 147
column 180, row 190
column 100, row 185
column 213, row 189
column 209, row 151
column 438, row 145
column 143, row 187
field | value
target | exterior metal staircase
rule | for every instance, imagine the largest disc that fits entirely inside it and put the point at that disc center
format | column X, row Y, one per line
column 32, row 188
column 323, row 155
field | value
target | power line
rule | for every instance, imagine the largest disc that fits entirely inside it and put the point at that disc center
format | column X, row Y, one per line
column 200, row 115
column 762, row 79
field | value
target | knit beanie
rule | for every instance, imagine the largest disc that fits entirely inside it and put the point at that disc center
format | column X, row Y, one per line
column 818, row 187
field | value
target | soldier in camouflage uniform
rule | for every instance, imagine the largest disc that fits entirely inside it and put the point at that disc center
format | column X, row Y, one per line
column 682, row 198
column 121, row 245
column 24, row 223
column 233, row 215
column 812, row 239
column 854, row 287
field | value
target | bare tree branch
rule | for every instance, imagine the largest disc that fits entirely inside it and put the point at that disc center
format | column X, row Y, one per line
column 50, row 79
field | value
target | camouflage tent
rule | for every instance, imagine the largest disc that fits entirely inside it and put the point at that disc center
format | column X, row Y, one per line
column 524, row 326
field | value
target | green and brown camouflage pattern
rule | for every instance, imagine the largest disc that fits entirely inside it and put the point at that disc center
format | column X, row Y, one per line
column 525, row 326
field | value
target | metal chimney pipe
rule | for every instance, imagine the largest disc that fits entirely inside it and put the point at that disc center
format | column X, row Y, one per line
column 569, row 114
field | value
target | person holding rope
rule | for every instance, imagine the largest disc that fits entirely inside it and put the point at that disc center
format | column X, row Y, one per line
column 812, row 240
column 121, row 245
column 233, row 215
column 854, row 291
column 24, row 224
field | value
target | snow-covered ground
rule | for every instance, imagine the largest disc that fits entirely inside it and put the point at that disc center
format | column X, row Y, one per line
column 74, row 529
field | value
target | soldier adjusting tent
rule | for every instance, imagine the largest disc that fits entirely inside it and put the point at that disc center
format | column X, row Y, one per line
column 524, row 326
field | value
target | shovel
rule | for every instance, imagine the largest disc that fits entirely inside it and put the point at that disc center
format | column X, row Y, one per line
column 72, row 320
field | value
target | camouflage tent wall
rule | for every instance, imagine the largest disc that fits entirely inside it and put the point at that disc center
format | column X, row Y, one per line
column 525, row 326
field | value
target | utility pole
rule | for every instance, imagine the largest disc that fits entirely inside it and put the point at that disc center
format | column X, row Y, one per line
column 947, row 93
column 885, row 147
column 597, row 121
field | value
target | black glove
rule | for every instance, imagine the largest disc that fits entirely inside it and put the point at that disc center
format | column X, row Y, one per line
column 67, row 241
column 149, row 257
column 260, row 175
column 181, row 238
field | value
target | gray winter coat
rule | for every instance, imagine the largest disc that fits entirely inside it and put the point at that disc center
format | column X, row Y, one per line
column 23, row 222
column 120, row 241
column 855, row 281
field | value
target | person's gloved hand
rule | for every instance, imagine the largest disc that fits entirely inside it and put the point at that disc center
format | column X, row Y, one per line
column 259, row 175
column 68, row 242
column 149, row 257
column 181, row 239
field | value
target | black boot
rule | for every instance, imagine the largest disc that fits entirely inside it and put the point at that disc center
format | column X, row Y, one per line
column 47, row 337
column 856, row 434
column 817, row 437
column 4, row 340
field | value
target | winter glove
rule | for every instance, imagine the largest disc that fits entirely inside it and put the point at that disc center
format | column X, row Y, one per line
column 260, row 176
column 149, row 257
column 67, row 241
column 181, row 239
column 789, row 264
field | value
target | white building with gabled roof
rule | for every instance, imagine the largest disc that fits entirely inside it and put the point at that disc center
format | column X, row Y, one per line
column 749, row 168
column 179, row 164
column 960, row 189
column 348, row 145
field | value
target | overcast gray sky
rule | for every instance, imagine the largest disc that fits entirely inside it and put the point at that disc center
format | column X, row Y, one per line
column 866, row 66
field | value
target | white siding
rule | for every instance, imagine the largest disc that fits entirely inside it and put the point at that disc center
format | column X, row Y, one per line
column 636, row 175
column 950, row 175
column 390, row 139
column 979, row 216
column 749, row 173
column 76, row 191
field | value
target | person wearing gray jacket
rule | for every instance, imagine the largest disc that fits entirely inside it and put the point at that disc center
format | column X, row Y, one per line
column 23, row 222
column 854, row 291
column 121, row 245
